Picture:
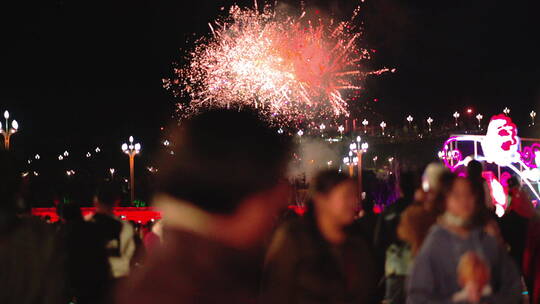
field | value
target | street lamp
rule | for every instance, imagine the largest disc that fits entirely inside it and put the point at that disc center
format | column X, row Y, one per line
column 506, row 111
column 365, row 124
column 479, row 117
column 131, row 150
column 359, row 148
column 341, row 129
column 350, row 161
column 429, row 121
column 383, row 125
column 112, row 170
column 533, row 115
column 322, row 127
column 8, row 131
column 300, row 133
column 410, row 119
column 456, row 116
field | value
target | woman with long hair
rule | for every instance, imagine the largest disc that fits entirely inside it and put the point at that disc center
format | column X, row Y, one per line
column 459, row 261
column 316, row 259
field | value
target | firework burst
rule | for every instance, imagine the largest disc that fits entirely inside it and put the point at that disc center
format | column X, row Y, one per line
column 289, row 68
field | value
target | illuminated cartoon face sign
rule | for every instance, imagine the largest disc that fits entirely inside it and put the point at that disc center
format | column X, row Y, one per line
column 501, row 143
column 500, row 146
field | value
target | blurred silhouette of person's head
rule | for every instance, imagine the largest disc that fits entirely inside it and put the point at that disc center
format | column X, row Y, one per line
column 69, row 213
column 228, row 166
column 474, row 170
column 106, row 198
column 480, row 187
column 430, row 182
column 334, row 200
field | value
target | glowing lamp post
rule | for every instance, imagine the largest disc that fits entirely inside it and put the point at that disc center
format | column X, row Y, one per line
column 131, row 150
column 383, row 126
column 341, row 129
column 365, row 123
column 479, row 117
column 322, row 127
column 429, row 122
column 350, row 161
column 456, row 116
column 8, row 131
column 506, row 111
column 533, row 115
column 359, row 148
column 410, row 119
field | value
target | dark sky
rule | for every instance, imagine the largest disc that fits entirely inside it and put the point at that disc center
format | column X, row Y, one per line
column 82, row 73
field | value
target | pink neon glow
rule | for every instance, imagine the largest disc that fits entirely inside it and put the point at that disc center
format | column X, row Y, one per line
column 505, row 176
column 528, row 155
column 451, row 155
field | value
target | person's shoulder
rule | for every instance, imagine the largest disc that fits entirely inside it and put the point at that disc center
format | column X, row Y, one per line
column 437, row 236
column 438, row 232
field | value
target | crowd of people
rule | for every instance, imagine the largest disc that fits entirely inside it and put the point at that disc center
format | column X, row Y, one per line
column 224, row 238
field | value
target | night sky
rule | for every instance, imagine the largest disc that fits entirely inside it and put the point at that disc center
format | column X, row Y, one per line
column 84, row 73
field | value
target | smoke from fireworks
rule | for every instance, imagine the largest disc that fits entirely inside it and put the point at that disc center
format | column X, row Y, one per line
column 289, row 68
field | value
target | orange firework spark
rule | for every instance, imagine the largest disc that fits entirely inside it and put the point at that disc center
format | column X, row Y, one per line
column 287, row 67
